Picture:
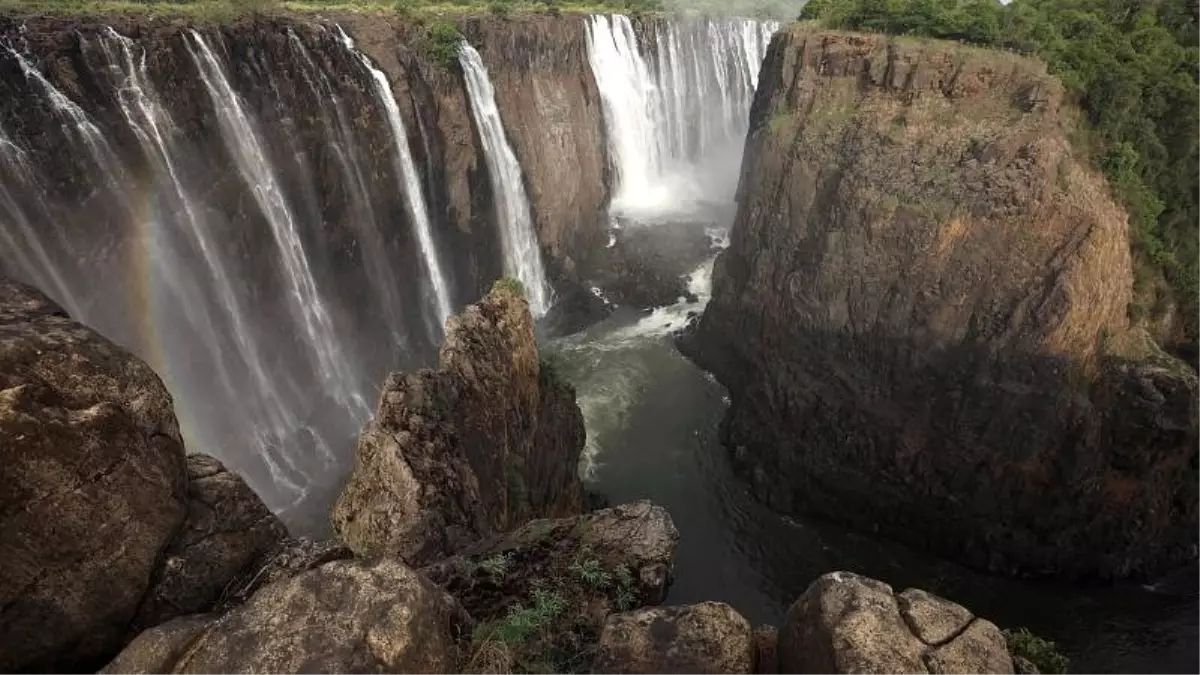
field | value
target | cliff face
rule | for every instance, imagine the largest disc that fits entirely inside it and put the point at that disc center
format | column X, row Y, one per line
column 922, row 317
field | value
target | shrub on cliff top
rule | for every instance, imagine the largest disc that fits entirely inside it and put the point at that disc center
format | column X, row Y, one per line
column 511, row 285
column 442, row 42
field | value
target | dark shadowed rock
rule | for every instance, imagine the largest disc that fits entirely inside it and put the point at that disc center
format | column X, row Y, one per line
column 486, row 442
column 342, row 617
column 227, row 530
column 709, row 637
column 766, row 641
column 92, row 486
column 845, row 623
column 922, row 317
column 289, row 558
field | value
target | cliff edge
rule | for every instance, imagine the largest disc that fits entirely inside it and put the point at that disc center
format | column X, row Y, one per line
column 922, row 317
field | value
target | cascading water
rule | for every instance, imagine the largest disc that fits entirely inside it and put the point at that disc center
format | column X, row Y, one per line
column 406, row 169
column 521, row 254
column 243, row 143
column 676, row 108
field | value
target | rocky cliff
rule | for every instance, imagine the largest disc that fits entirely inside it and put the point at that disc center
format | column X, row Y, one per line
column 107, row 528
column 486, row 442
column 922, row 317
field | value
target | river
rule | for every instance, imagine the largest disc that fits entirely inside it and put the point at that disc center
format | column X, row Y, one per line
column 652, row 421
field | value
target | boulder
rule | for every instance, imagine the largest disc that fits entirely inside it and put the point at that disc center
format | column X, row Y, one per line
column 486, row 442
column 709, row 637
column 766, row 640
column 93, row 486
column 341, row 617
column 541, row 593
column 845, row 623
column 228, row 528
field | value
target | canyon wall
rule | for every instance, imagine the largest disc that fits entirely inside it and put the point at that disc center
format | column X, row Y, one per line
column 921, row 317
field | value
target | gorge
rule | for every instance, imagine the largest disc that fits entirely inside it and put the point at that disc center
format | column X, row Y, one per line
column 276, row 213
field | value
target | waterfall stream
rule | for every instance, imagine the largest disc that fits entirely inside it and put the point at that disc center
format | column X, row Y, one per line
column 676, row 108
column 407, row 170
column 521, row 255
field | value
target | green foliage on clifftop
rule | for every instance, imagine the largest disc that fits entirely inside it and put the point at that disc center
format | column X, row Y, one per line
column 1132, row 67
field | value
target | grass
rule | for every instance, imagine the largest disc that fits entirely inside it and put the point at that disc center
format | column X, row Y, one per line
column 1040, row 652
column 509, row 284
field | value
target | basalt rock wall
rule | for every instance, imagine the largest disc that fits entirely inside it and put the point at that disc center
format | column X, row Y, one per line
column 922, row 317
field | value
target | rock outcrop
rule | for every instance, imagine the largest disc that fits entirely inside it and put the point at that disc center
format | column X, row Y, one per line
column 542, row 592
column 342, row 617
column 922, row 315
column 845, row 623
column 93, row 486
column 228, row 529
column 709, row 637
column 488, row 441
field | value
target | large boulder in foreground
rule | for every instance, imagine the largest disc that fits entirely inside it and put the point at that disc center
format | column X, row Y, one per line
column 922, row 317
column 846, row 623
column 341, row 617
column 541, row 593
column 709, row 637
column 93, row 486
column 489, row 440
column 227, row 530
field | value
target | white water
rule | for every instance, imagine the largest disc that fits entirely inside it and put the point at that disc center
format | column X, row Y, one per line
column 385, row 283
column 677, row 116
column 242, row 142
column 522, row 256
column 406, row 168
column 179, row 228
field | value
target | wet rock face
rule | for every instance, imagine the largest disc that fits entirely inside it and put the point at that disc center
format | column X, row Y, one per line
column 845, row 623
column 227, row 530
column 709, row 637
column 922, row 313
column 484, row 443
column 92, row 486
column 344, row 617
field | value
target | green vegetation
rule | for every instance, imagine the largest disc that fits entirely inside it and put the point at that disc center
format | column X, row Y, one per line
column 509, row 284
column 523, row 622
column 1042, row 653
column 1132, row 67
column 497, row 565
column 442, row 42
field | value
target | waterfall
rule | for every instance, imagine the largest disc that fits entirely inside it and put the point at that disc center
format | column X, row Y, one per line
column 242, row 141
column 522, row 257
column 382, row 276
column 411, row 183
column 676, row 111
column 181, row 236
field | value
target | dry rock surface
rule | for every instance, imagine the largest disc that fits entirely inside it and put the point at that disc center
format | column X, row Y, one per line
column 342, row 617
column 845, row 623
column 709, row 637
